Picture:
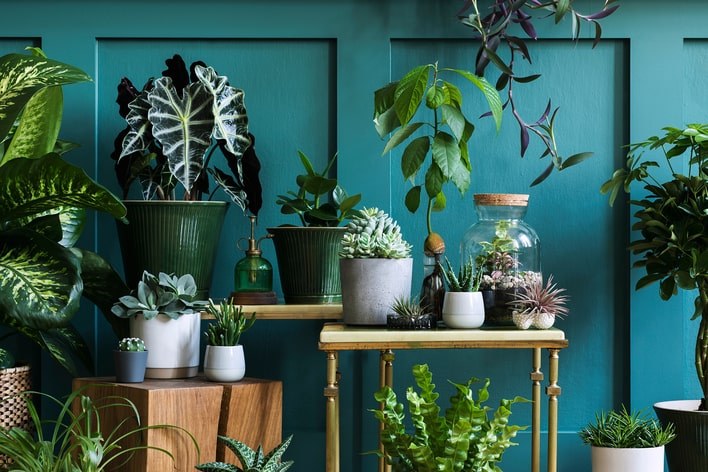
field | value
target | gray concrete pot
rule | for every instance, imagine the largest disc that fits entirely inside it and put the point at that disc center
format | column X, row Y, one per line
column 370, row 286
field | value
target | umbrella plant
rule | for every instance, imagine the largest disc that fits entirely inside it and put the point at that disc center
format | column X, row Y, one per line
column 43, row 203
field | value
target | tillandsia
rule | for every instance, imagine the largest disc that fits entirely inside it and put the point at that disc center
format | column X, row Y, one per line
column 538, row 305
column 230, row 323
column 410, row 309
column 131, row 345
column 492, row 26
column 467, row 279
column 372, row 233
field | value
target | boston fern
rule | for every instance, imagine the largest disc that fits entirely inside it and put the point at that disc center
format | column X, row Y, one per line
column 464, row 438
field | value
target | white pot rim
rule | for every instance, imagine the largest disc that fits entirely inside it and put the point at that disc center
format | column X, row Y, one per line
column 680, row 405
column 628, row 448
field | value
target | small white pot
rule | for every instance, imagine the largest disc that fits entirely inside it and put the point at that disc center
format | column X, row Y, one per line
column 463, row 310
column 224, row 363
column 173, row 345
column 608, row 459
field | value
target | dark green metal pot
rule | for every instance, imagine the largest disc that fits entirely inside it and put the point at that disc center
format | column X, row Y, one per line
column 308, row 263
column 689, row 451
column 176, row 237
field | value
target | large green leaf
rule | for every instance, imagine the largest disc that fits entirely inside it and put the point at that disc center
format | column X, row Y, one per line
column 140, row 135
column 22, row 76
column 38, row 129
column 409, row 93
column 183, row 126
column 32, row 186
column 401, row 135
column 414, row 156
column 40, row 280
column 490, row 93
column 446, row 154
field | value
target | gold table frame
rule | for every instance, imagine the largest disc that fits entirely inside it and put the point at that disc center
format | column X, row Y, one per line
column 336, row 337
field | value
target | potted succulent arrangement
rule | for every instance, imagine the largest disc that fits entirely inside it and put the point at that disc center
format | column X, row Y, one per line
column 375, row 265
column 463, row 438
column 165, row 313
column 409, row 313
column 252, row 461
column 174, row 126
column 538, row 305
column 672, row 247
column 224, row 360
column 463, row 306
column 308, row 254
column 627, row 442
column 130, row 360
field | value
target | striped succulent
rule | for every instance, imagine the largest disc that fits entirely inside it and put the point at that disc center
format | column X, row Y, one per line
column 371, row 233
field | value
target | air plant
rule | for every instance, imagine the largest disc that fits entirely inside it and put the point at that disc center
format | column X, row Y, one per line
column 538, row 305
column 409, row 313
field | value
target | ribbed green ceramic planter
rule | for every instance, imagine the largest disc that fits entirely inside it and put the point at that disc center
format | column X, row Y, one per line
column 176, row 237
column 689, row 451
column 308, row 263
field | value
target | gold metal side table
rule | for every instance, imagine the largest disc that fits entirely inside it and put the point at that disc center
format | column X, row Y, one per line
column 336, row 337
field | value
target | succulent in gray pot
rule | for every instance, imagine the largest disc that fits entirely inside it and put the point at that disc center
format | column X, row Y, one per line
column 130, row 360
column 164, row 311
column 308, row 261
column 376, row 267
column 174, row 126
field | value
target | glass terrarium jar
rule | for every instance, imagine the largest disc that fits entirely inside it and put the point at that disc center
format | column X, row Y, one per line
column 506, row 249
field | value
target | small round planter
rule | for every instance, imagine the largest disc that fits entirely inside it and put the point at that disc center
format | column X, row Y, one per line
column 608, row 459
column 463, row 310
column 173, row 345
column 130, row 366
column 689, row 451
column 224, row 363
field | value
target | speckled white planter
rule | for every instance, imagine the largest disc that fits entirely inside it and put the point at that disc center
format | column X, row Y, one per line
column 607, row 459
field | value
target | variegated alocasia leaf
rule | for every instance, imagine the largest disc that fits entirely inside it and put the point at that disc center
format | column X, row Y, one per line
column 230, row 119
column 40, row 280
column 23, row 75
column 183, row 126
column 33, row 186
column 139, row 137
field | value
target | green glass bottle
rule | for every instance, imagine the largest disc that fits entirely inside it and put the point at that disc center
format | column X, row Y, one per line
column 253, row 274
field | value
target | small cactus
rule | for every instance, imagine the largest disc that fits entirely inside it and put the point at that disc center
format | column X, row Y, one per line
column 131, row 344
column 373, row 234
column 466, row 280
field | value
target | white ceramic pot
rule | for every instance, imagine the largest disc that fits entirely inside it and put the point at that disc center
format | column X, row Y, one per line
column 370, row 287
column 608, row 459
column 224, row 363
column 173, row 345
column 463, row 310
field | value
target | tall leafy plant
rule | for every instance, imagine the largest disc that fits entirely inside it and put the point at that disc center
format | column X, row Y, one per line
column 43, row 203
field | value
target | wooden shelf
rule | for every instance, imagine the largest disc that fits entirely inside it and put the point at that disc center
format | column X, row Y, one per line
column 332, row 311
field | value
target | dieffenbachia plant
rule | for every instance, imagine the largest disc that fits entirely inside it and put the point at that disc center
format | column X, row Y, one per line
column 43, row 201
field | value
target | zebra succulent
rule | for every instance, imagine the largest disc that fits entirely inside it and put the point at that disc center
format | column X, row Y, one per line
column 251, row 461
column 371, row 233
column 466, row 280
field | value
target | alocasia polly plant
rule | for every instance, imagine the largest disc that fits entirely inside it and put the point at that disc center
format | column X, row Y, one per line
column 174, row 126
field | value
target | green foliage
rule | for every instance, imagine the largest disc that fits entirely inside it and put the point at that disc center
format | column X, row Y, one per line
column 371, row 233
column 7, row 360
column 409, row 309
column 131, row 345
column 449, row 130
column 498, row 255
column 251, row 461
column 74, row 442
column 165, row 294
column 229, row 325
column 621, row 429
column 43, row 201
column 463, row 439
column 466, row 280
column 319, row 200
column 672, row 220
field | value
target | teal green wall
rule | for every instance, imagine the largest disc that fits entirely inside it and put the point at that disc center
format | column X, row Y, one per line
column 309, row 69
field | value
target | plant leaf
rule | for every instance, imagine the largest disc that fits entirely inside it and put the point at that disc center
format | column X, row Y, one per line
column 409, row 93
column 413, row 199
column 446, row 154
column 490, row 93
column 575, row 159
column 414, row 156
column 434, row 180
column 401, row 135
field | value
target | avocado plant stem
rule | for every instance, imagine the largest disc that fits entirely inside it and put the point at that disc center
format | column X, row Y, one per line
column 702, row 350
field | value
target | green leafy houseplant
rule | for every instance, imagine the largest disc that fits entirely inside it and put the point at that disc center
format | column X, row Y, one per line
column 464, row 438
column 165, row 294
column 319, row 200
column 230, row 323
column 672, row 221
column 75, row 440
column 372, row 233
column 251, row 461
column 174, row 126
column 43, row 203
column 622, row 429
column 467, row 278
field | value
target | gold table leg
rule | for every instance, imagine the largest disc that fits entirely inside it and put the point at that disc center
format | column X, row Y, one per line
column 553, row 391
column 386, row 358
column 536, row 379
column 331, row 393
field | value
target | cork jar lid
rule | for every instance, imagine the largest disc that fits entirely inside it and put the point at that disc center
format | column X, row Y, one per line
column 501, row 199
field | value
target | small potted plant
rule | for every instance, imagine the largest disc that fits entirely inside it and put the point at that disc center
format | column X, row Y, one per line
column 375, row 265
column 307, row 254
column 627, row 442
column 164, row 312
column 130, row 360
column 463, row 305
column 253, row 461
column 224, row 360
column 538, row 305
column 410, row 314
